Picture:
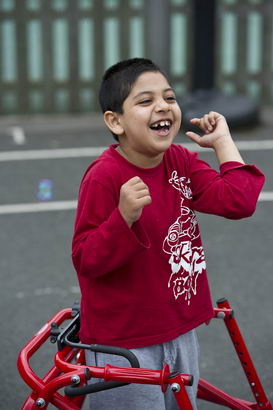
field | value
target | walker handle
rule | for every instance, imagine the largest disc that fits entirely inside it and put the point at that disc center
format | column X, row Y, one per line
column 96, row 387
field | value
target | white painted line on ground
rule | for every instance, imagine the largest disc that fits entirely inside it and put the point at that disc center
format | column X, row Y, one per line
column 48, row 292
column 266, row 196
column 51, row 153
column 37, row 207
column 26, row 155
column 70, row 205
column 254, row 145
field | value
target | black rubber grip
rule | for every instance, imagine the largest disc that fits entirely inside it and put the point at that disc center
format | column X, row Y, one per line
column 118, row 351
column 91, row 388
column 96, row 387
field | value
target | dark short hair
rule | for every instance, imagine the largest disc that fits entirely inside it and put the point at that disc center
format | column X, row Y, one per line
column 118, row 81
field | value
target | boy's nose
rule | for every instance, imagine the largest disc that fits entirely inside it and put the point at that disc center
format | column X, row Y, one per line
column 162, row 105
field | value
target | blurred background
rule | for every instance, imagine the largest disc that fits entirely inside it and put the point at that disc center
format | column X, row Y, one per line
column 53, row 52
column 218, row 55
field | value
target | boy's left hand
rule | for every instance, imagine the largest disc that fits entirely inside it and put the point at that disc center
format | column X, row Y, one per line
column 215, row 130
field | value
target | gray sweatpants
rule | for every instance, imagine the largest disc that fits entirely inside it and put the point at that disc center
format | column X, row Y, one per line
column 180, row 354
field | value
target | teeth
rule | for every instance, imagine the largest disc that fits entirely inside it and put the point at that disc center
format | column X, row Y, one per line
column 162, row 124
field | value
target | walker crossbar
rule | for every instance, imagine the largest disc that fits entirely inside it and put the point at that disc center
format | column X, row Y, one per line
column 71, row 372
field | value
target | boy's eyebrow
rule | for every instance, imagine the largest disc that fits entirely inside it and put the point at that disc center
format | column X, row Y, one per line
column 151, row 92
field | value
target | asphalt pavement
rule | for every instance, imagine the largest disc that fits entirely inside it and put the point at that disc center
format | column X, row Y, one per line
column 37, row 277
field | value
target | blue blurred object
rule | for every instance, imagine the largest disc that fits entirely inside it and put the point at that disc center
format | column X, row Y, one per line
column 45, row 190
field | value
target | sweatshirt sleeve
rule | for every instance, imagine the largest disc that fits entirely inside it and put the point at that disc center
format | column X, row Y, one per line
column 232, row 192
column 102, row 240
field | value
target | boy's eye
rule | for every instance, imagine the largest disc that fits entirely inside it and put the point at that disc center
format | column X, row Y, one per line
column 146, row 101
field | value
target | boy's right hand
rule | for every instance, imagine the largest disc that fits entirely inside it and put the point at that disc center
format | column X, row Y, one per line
column 134, row 195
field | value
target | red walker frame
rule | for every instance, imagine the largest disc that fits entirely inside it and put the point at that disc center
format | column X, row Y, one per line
column 70, row 369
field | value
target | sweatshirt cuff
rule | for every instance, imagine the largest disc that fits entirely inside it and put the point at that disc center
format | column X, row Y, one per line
column 136, row 232
column 227, row 166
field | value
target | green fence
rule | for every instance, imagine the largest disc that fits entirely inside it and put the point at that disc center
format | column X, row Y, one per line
column 53, row 52
column 245, row 48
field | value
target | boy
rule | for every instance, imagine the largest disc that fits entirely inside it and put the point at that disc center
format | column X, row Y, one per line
column 137, row 247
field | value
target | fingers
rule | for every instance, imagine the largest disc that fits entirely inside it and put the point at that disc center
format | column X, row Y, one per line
column 135, row 182
column 194, row 137
column 134, row 196
column 206, row 123
column 135, row 187
column 213, row 126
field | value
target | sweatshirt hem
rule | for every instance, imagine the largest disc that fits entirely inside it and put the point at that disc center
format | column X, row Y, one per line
column 151, row 340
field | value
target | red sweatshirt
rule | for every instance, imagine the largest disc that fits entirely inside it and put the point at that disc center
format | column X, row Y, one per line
column 148, row 284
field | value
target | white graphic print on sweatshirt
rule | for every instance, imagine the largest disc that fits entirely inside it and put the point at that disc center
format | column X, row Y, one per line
column 186, row 260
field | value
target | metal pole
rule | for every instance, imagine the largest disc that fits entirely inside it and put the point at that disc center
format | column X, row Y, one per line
column 204, row 44
column 157, row 16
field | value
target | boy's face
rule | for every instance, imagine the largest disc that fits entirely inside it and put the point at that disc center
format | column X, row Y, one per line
column 150, row 121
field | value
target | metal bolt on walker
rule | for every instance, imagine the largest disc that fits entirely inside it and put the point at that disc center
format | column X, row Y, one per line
column 40, row 402
column 75, row 379
column 221, row 315
column 175, row 387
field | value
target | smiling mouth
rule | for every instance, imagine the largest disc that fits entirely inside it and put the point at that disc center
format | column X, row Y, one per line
column 161, row 126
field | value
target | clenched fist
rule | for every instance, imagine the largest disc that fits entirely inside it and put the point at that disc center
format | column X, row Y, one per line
column 134, row 195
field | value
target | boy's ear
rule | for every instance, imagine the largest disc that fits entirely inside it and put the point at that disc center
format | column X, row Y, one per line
column 112, row 121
